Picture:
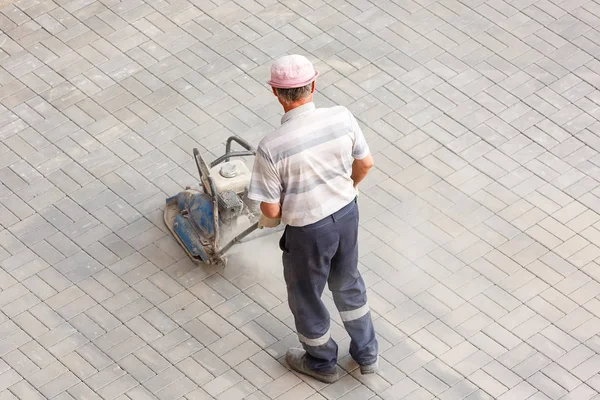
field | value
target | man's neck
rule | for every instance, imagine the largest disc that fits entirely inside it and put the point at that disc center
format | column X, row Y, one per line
column 291, row 106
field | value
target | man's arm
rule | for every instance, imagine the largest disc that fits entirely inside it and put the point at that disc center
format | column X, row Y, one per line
column 265, row 187
column 363, row 161
column 271, row 210
column 360, row 169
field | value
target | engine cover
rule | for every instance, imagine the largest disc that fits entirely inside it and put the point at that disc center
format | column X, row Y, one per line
column 230, row 205
column 231, row 175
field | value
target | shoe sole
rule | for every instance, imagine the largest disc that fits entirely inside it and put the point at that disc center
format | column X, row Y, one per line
column 320, row 377
column 368, row 371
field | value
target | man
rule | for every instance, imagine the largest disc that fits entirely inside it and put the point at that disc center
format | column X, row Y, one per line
column 305, row 175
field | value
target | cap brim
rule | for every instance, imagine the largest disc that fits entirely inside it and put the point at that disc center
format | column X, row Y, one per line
column 280, row 85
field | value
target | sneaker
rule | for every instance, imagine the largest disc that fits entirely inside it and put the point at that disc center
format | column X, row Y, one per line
column 296, row 359
column 369, row 369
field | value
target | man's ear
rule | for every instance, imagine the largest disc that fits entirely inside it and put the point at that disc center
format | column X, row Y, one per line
column 312, row 89
column 274, row 91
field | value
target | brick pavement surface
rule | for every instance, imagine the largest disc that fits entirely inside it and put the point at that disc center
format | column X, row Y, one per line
column 480, row 230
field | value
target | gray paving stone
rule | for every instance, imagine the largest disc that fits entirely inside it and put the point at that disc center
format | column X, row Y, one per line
column 23, row 389
column 478, row 224
column 78, row 365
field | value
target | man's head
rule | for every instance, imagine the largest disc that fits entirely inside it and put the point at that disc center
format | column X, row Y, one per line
column 293, row 81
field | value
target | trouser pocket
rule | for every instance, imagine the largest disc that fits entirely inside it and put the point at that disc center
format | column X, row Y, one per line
column 282, row 241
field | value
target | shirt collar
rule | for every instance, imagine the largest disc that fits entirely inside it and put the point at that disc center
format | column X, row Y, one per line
column 297, row 111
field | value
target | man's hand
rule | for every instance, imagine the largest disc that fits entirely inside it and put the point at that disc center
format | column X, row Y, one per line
column 265, row 222
column 360, row 169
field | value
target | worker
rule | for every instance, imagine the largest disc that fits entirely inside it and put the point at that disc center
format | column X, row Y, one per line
column 305, row 176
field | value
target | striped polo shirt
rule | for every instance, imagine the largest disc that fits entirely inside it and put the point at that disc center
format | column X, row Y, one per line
column 306, row 164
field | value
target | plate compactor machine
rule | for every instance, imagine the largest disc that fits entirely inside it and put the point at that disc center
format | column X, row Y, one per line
column 200, row 217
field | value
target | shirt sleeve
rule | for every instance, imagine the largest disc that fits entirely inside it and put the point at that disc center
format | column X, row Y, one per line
column 360, row 149
column 265, row 185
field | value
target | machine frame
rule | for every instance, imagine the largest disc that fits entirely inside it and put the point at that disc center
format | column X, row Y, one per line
column 192, row 216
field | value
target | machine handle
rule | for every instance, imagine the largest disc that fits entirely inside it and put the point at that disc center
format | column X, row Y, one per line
column 239, row 141
column 250, row 150
column 210, row 189
column 238, row 238
column 227, row 156
column 203, row 172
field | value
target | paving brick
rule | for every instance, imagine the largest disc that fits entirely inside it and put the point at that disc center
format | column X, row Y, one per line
column 46, row 315
column 94, row 356
column 153, row 360
column 47, row 374
column 78, row 365
column 546, row 385
column 23, row 389
column 37, row 354
column 21, row 363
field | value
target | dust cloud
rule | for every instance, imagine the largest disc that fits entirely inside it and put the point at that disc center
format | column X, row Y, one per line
column 258, row 253
column 261, row 255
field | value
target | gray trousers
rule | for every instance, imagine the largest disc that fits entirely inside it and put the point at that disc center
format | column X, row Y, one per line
column 320, row 253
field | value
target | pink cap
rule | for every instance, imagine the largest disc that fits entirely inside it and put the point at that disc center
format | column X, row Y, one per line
column 292, row 72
